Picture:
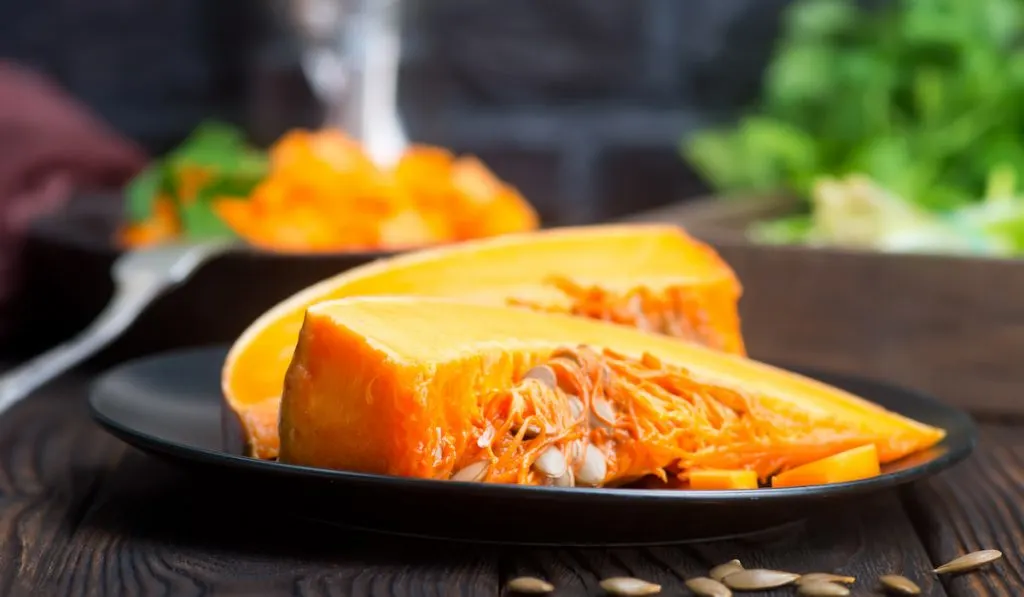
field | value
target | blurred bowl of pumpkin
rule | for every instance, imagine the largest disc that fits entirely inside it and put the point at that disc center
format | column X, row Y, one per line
column 312, row 205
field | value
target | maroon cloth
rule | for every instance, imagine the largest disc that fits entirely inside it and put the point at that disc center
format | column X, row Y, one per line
column 50, row 146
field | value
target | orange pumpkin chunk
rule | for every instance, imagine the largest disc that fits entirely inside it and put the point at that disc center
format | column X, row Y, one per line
column 851, row 465
column 441, row 389
column 722, row 479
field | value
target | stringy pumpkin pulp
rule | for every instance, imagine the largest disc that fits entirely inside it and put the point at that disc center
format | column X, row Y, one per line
column 645, row 418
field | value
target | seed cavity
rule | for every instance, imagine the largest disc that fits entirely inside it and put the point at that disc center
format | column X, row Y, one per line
column 899, row 585
column 594, row 468
column 529, row 585
column 758, row 579
column 708, row 587
column 551, row 462
column 629, row 587
column 543, row 374
column 820, row 588
column 722, row 570
column 968, row 562
column 472, row 472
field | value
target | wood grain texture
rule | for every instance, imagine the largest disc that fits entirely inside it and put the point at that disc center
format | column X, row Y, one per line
column 865, row 541
column 979, row 505
column 81, row 514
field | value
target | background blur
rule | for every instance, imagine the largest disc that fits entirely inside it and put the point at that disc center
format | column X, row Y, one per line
column 871, row 134
column 581, row 104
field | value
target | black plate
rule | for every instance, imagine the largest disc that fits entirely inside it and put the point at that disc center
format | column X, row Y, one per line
column 170, row 406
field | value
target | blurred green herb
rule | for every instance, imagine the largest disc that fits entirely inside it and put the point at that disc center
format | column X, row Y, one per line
column 214, row 161
column 924, row 97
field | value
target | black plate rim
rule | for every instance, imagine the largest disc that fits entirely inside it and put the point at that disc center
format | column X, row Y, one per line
column 180, row 451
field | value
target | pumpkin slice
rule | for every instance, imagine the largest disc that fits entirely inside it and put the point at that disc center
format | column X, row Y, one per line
column 722, row 479
column 436, row 388
column 852, row 465
column 653, row 277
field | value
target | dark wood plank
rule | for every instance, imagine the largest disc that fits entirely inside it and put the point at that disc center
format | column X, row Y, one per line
column 153, row 528
column 978, row 505
column 52, row 461
column 82, row 514
column 864, row 540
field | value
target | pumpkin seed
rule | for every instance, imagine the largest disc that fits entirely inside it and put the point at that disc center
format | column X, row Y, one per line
column 530, row 585
column 603, row 414
column 708, row 587
column 543, row 374
column 574, row 452
column 607, row 373
column 629, row 587
column 757, row 579
column 825, row 577
column 594, row 467
column 568, row 355
column 472, row 472
column 532, row 430
column 575, row 406
column 821, row 588
column 566, row 480
column 551, row 462
column 722, row 570
column 900, row 585
column 968, row 562
column 486, row 437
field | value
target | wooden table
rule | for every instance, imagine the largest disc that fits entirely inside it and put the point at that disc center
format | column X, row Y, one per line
column 83, row 514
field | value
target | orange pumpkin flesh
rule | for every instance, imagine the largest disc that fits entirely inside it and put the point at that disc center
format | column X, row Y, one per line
column 722, row 479
column 852, row 465
column 649, row 276
column 409, row 386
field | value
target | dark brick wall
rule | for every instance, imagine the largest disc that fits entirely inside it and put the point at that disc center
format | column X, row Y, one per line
column 582, row 103
column 594, row 96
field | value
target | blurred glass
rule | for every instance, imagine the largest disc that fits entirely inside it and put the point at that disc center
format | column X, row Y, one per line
column 350, row 55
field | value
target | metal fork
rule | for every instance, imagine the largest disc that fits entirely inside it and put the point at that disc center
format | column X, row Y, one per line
column 140, row 276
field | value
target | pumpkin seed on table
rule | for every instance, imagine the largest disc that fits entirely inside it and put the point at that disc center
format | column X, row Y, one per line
column 708, row 587
column 624, row 586
column 529, row 585
column 821, row 588
column 825, row 577
column 968, row 562
column 899, row 585
column 722, row 570
column 757, row 579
